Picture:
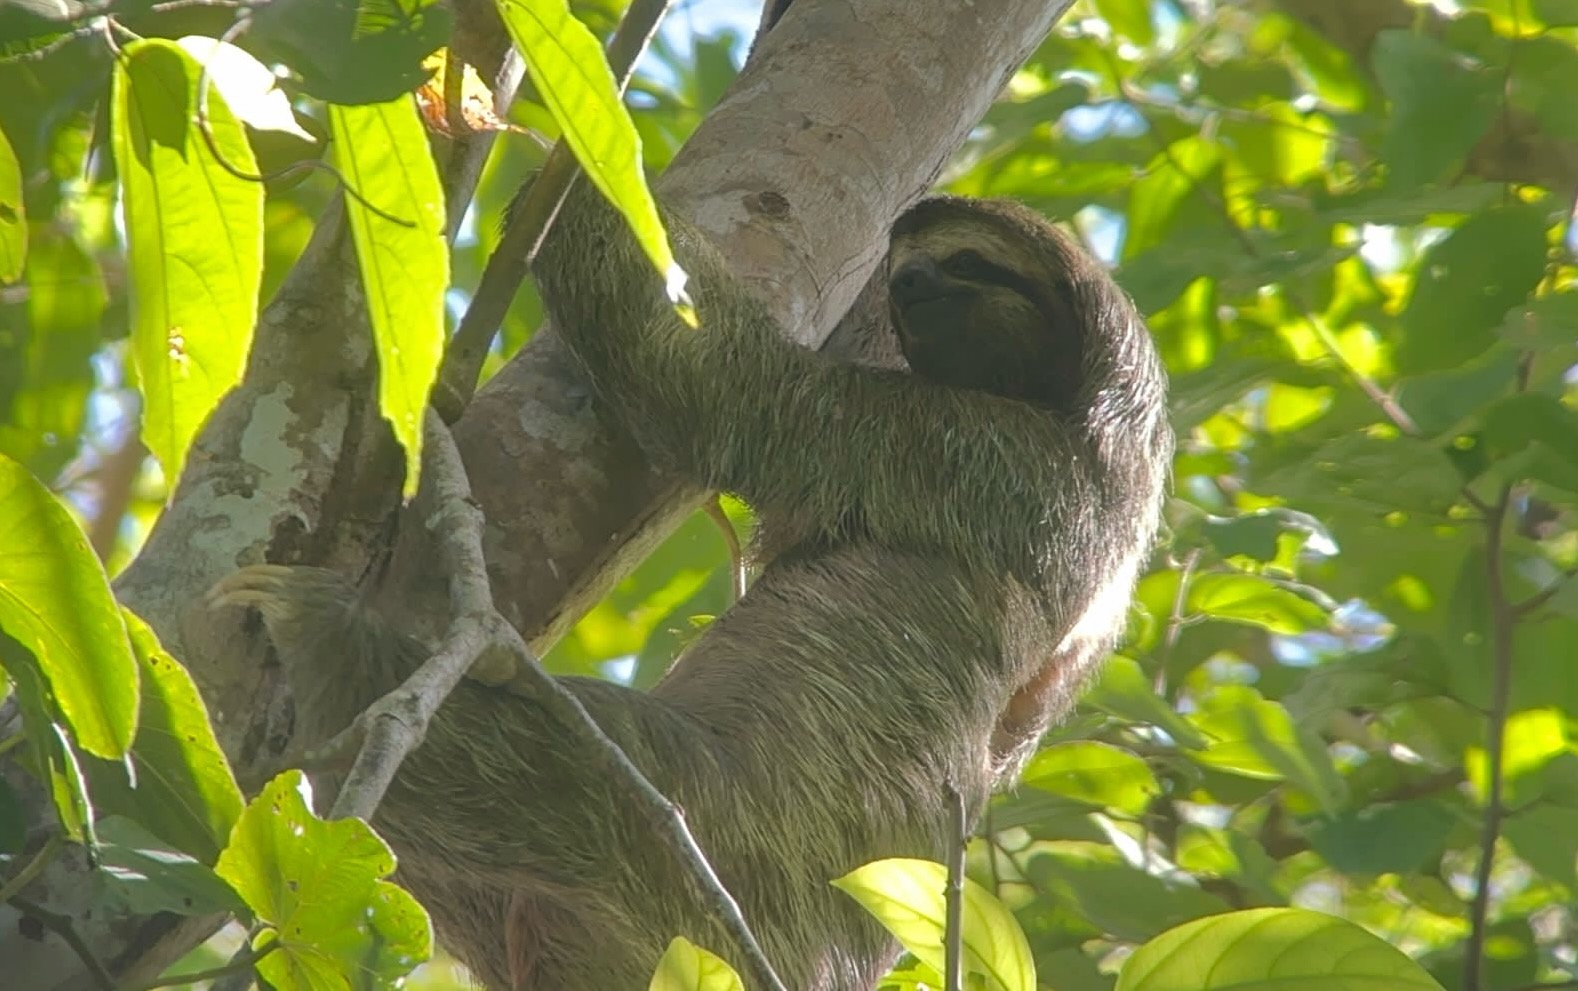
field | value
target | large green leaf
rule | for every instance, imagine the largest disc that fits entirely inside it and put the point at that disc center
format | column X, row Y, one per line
column 381, row 149
column 909, row 898
column 1255, row 737
column 1441, row 105
column 195, row 233
column 56, row 601
column 318, row 885
column 575, row 83
column 180, row 787
column 1271, row 949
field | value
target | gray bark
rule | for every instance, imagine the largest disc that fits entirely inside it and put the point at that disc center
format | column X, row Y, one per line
column 795, row 176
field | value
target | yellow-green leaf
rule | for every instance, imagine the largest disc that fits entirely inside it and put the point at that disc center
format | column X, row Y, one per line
column 579, row 89
column 13, row 218
column 1094, row 773
column 319, row 886
column 55, row 600
column 908, row 897
column 687, row 967
column 183, row 790
column 1271, row 949
column 1256, row 737
column 195, row 233
column 381, row 149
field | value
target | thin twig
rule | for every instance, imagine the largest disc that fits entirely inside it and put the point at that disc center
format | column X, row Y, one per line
column 481, row 643
column 953, row 930
column 737, row 576
column 32, row 869
column 393, row 726
column 1175, row 621
column 1544, row 595
column 1503, row 622
column 241, row 963
column 243, row 22
column 525, row 228
column 64, row 927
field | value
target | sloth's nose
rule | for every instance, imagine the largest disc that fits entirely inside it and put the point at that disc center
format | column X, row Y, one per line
column 917, row 281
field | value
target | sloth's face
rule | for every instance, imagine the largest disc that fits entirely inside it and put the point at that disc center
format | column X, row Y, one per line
column 975, row 308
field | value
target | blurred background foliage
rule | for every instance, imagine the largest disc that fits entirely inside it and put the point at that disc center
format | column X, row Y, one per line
column 1351, row 681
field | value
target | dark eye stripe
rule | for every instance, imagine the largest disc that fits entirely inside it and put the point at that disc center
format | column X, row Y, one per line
column 972, row 266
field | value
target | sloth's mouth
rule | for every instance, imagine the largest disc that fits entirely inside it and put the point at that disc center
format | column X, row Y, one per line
column 943, row 313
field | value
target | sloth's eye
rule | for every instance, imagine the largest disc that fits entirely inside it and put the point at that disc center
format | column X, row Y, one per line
column 968, row 264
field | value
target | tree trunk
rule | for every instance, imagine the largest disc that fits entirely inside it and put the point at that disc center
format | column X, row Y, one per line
column 796, row 179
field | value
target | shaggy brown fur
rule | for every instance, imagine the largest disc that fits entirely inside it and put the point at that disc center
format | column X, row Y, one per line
column 951, row 552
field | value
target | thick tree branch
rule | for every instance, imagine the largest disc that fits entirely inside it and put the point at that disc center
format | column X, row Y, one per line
column 795, row 177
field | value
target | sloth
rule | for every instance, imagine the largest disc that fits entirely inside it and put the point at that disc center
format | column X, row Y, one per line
column 946, row 555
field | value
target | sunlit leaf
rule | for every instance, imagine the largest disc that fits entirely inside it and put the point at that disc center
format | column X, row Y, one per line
column 687, row 967
column 576, row 84
column 1255, row 737
column 1271, row 949
column 1095, row 773
column 56, row 601
column 318, row 886
column 196, row 242
column 908, row 897
column 182, row 789
column 1245, row 598
column 382, row 151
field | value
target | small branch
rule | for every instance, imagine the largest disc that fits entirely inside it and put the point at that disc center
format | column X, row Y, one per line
column 1502, row 620
column 1175, row 621
column 241, row 963
column 392, row 727
column 480, row 642
column 32, row 869
column 116, row 478
column 65, row 928
column 953, row 933
column 738, row 579
column 1544, row 595
column 525, row 228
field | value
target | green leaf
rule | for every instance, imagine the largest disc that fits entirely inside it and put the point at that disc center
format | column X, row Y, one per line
column 318, row 885
column 382, row 151
column 1256, row 534
column 1093, row 882
column 195, row 234
column 687, row 967
column 1542, row 836
column 182, row 789
column 353, row 52
column 1441, row 401
column 1123, row 690
column 1256, row 601
column 1441, row 105
column 146, row 875
column 1256, row 738
column 1130, row 19
column 13, row 215
column 1467, row 283
column 1271, row 949
column 46, row 370
column 908, row 897
column 579, row 89
column 53, row 758
column 1093, row 773
column 1398, row 838
column 55, row 600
